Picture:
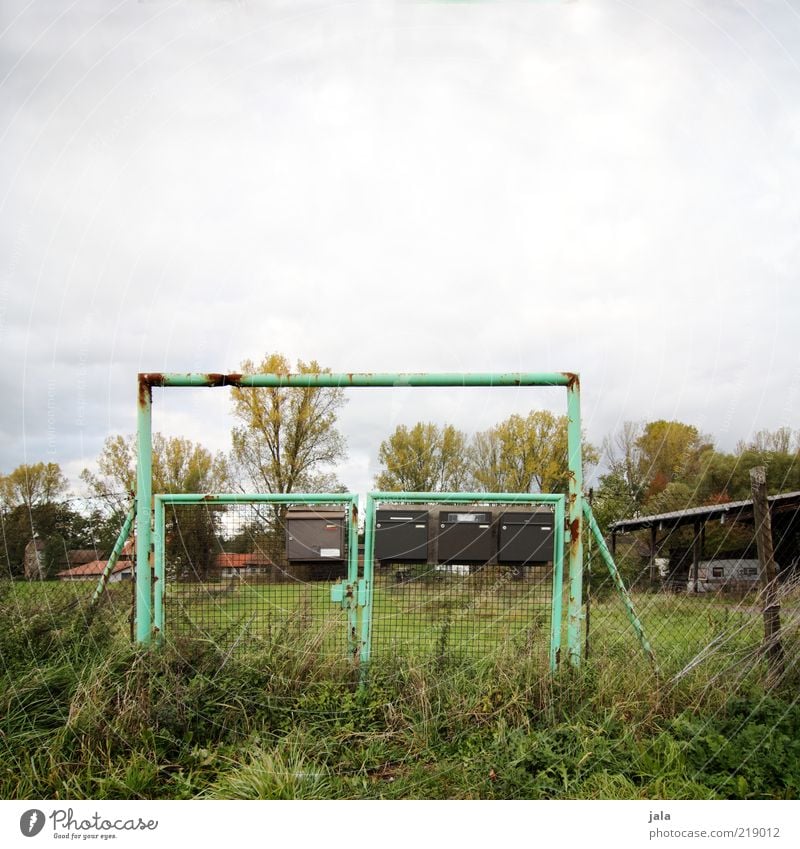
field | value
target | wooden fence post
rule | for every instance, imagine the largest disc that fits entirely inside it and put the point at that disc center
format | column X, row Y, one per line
column 767, row 570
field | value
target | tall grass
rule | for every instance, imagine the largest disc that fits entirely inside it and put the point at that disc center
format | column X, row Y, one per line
column 85, row 715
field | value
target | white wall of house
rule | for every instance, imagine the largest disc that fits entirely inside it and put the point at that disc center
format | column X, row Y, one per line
column 117, row 577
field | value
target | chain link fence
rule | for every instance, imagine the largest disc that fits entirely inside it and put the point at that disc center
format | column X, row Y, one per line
column 244, row 575
column 709, row 616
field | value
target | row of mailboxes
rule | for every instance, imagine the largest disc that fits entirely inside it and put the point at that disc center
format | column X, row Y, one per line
column 457, row 535
column 434, row 535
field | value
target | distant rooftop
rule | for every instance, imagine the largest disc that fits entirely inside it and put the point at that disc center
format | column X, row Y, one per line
column 738, row 511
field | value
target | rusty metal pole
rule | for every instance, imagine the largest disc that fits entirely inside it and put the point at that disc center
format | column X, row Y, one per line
column 144, row 492
column 575, row 519
column 618, row 583
column 768, row 572
column 113, row 558
column 589, row 564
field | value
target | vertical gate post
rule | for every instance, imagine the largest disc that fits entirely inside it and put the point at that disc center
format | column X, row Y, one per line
column 575, row 518
column 369, row 561
column 144, row 478
column 352, row 580
column 558, row 586
column 159, row 569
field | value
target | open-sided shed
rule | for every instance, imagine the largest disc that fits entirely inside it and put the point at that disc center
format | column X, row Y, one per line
column 785, row 515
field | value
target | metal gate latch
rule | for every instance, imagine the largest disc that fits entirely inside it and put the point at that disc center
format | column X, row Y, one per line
column 349, row 595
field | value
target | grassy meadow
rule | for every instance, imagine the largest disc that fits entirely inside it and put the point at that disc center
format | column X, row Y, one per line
column 84, row 714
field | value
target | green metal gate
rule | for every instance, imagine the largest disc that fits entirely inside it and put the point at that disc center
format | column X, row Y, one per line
column 472, row 612
column 479, row 613
column 356, row 594
column 223, row 573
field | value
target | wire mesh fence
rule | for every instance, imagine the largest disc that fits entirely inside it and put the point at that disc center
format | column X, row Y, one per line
column 705, row 615
column 252, row 574
column 53, row 558
column 239, row 575
column 470, row 580
column 434, row 610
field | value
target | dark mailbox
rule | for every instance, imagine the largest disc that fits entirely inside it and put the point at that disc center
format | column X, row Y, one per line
column 464, row 536
column 401, row 535
column 526, row 537
column 314, row 535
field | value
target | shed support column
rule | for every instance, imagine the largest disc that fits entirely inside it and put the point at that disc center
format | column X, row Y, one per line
column 144, row 476
column 697, row 553
column 653, row 569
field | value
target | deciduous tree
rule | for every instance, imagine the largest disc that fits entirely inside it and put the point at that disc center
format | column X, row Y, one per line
column 179, row 465
column 525, row 454
column 669, row 451
column 423, row 458
column 286, row 438
column 32, row 485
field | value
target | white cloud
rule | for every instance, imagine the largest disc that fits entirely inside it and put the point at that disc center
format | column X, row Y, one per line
column 602, row 187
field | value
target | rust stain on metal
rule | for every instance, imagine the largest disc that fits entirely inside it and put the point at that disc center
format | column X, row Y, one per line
column 145, row 391
column 573, row 379
column 574, row 531
column 218, row 379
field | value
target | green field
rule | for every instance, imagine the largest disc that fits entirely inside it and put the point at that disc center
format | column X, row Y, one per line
column 83, row 714
column 463, row 618
column 417, row 619
column 421, row 620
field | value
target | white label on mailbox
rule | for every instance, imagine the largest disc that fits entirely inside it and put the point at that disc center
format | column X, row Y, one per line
column 483, row 526
column 419, row 526
column 329, row 552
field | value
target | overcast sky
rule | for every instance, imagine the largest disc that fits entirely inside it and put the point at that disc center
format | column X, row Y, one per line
column 604, row 187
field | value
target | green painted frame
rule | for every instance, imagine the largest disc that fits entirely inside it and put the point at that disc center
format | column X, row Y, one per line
column 144, row 471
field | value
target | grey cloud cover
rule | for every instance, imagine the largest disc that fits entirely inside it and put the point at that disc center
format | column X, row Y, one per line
column 604, row 187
